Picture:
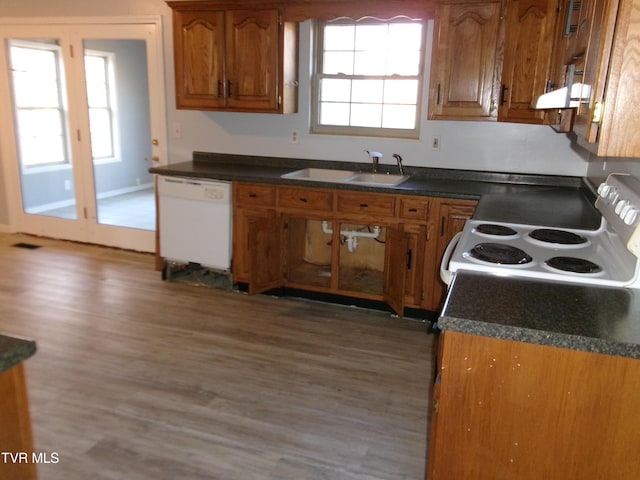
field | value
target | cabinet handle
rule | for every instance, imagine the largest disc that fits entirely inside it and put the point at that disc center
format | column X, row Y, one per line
column 413, row 210
column 409, row 254
column 253, row 195
column 569, row 27
column 502, row 92
column 303, row 200
column 364, row 205
column 220, row 93
column 229, row 94
column 438, row 95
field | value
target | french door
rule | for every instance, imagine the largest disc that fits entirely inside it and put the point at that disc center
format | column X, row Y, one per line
column 85, row 120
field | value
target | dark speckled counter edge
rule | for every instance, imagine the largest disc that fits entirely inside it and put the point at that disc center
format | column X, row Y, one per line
column 420, row 172
column 14, row 350
column 551, row 339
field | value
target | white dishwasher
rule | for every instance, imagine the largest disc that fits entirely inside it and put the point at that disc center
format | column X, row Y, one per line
column 195, row 221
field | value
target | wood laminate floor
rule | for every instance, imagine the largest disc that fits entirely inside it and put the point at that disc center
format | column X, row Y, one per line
column 135, row 378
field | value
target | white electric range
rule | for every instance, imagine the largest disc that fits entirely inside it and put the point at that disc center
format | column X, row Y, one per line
column 606, row 256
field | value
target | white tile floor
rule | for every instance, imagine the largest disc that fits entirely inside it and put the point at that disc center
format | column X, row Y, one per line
column 130, row 210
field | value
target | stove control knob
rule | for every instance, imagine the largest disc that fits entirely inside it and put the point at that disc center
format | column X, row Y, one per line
column 624, row 210
column 631, row 216
column 604, row 189
column 619, row 206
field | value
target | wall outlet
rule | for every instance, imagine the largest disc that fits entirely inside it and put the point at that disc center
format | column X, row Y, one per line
column 435, row 142
column 294, row 136
column 67, row 184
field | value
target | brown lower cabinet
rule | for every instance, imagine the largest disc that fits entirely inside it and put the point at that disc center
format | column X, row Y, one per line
column 504, row 409
column 375, row 246
column 16, row 438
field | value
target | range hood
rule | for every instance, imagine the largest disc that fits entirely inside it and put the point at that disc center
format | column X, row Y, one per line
column 570, row 96
column 565, row 97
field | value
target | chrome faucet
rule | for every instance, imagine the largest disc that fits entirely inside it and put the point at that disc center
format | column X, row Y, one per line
column 399, row 160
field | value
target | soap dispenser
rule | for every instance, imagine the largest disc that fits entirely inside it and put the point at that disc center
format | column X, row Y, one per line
column 375, row 159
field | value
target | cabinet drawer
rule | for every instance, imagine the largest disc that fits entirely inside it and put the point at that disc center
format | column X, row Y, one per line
column 255, row 195
column 414, row 208
column 366, row 203
column 308, row 198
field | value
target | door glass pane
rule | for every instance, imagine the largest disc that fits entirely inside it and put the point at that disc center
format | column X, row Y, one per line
column 40, row 112
column 119, row 118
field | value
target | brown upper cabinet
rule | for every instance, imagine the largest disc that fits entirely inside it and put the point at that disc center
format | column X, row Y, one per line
column 491, row 59
column 599, row 41
column 234, row 59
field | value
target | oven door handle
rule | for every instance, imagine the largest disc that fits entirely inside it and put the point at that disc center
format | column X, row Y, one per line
column 446, row 274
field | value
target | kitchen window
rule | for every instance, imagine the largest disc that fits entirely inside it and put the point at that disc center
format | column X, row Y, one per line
column 40, row 104
column 99, row 72
column 368, row 77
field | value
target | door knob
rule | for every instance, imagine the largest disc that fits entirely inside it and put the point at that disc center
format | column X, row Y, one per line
column 155, row 142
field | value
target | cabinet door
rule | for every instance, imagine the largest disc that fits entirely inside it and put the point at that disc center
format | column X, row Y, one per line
column 453, row 215
column 242, row 219
column 199, row 59
column 464, row 65
column 395, row 270
column 266, row 255
column 529, row 28
column 252, row 59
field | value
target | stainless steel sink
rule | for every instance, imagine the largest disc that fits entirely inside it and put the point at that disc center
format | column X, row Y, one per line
column 320, row 175
column 346, row 177
column 377, row 179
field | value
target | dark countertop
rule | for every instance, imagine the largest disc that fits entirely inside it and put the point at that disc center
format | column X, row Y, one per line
column 13, row 351
column 524, row 191
column 578, row 317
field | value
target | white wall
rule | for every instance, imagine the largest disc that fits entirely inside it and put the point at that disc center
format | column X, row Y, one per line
column 464, row 145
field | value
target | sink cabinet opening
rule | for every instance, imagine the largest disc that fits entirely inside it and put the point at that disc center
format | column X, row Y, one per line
column 309, row 253
column 361, row 258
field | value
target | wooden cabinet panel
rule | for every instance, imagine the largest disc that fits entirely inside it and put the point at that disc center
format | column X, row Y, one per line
column 452, row 216
column 366, row 204
column 508, row 417
column 252, row 59
column 414, row 208
column 199, row 53
column 307, row 198
column 230, row 58
column 16, row 435
column 530, row 26
column 464, row 61
column 254, row 195
column 315, row 252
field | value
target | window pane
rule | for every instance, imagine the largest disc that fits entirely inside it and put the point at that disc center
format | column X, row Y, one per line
column 339, row 37
column 399, row 116
column 379, row 77
column 371, row 37
column 367, row 91
column 334, row 113
column 338, row 62
column 403, row 63
column 401, row 91
column 100, row 125
column 370, row 63
column 366, row 115
column 333, row 90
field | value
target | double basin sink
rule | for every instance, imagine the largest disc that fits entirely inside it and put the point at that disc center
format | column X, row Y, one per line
column 346, row 177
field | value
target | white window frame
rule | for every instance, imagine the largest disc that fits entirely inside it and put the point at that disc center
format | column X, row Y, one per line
column 110, row 62
column 62, row 107
column 316, row 127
